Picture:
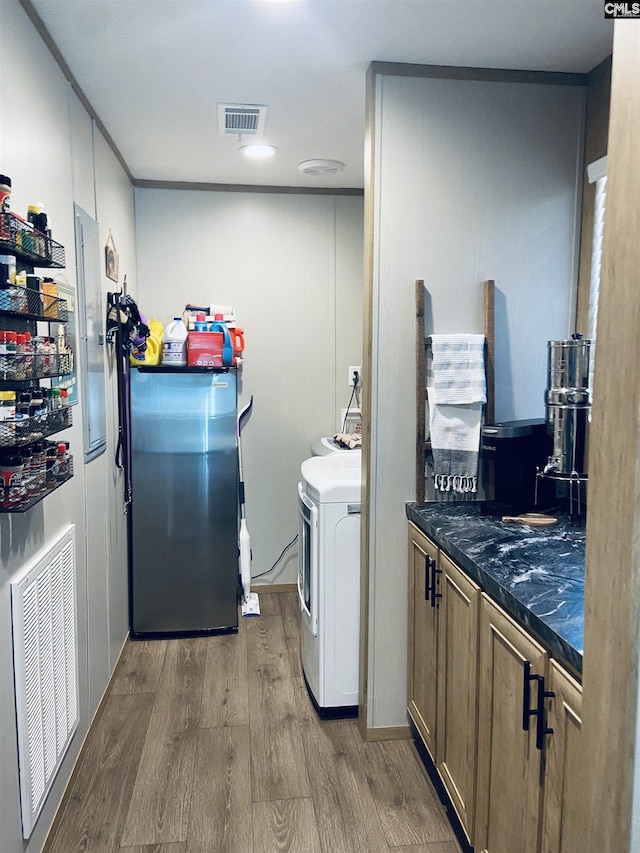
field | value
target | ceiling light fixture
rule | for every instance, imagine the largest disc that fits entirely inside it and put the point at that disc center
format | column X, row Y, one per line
column 258, row 149
column 320, row 167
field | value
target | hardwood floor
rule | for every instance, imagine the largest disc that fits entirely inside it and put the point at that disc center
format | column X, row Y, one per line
column 212, row 745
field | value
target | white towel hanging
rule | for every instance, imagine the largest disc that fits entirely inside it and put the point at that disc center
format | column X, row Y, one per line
column 456, row 390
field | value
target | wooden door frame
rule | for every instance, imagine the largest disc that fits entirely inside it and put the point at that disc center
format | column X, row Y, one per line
column 612, row 594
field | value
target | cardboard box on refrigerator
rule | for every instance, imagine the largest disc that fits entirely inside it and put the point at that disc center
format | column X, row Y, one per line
column 204, row 349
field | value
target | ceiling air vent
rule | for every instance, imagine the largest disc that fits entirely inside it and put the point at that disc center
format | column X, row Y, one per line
column 241, row 119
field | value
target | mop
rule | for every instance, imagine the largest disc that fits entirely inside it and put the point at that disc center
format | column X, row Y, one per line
column 250, row 602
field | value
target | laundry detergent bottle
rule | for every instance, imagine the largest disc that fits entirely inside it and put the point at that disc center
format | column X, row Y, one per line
column 174, row 344
column 227, row 347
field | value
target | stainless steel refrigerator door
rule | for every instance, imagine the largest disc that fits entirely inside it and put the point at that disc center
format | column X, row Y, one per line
column 184, row 525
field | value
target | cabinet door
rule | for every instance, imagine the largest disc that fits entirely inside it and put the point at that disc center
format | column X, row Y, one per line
column 509, row 789
column 457, row 686
column 423, row 639
column 561, row 810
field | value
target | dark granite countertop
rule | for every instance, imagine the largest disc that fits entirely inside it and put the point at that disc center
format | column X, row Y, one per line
column 535, row 573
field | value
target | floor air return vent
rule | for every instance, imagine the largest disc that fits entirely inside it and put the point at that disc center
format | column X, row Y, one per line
column 45, row 655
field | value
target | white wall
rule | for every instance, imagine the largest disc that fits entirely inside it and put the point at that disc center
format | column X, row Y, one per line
column 291, row 265
column 473, row 180
column 49, row 148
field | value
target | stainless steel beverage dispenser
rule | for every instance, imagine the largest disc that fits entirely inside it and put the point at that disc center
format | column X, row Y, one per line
column 568, row 408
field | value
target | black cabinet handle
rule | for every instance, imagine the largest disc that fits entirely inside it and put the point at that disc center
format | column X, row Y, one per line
column 427, row 567
column 527, row 711
column 434, row 584
column 541, row 728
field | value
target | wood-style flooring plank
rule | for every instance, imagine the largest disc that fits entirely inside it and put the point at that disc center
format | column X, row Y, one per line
column 346, row 815
column 221, row 817
column 225, row 697
column 278, row 770
column 436, row 847
column 98, row 805
column 159, row 809
column 139, row 667
column 269, row 606
column 408, row 806
column 290, row 609
column 285, row 826
column 154, row 779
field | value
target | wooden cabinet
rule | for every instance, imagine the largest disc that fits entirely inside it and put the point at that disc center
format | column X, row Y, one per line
column 423, row 639
column 456, row 740
column 561, row 806
column 509, row 764
column 443, row 629
column 499, row 718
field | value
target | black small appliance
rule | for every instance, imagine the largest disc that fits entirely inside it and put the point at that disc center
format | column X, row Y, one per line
column 515, row 450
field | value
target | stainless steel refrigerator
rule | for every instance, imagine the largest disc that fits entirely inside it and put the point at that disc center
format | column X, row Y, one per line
column 183, row 541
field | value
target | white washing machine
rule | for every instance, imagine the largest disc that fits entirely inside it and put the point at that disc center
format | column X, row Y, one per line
column 329, row 580
column 327, row 445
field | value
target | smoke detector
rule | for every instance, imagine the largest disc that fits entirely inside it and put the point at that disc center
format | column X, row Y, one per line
column 320, row 167
column 241, row 119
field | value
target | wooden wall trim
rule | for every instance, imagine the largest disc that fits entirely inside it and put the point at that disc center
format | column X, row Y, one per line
column 596, row 143
column 388, row 733
column 421, row 392
column 495, row 75
column 199, row 186
column 490, row 350
column 367, row 366
column 264, row 588
column 612, row 594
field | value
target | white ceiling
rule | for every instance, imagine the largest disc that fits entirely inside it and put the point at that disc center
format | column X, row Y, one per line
column 155, row 70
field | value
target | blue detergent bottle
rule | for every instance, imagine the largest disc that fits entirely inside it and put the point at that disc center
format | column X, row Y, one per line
column 227, row 346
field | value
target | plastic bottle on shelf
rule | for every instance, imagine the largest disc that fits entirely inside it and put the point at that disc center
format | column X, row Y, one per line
column 30, row 486
column 23, row 408
column 174, row 344
column 8, row 346
column 5, row 196
column 5, row 193
column 21, row 350
column 33, row 217
column 28, row 355
column 39, row 464
column 219, row 325
column 62, row 460
column 7, row 406
column 37, row 407
column 51, row 455
column 11, row 468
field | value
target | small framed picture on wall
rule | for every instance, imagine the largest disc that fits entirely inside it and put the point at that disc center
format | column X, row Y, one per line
column 111, row 259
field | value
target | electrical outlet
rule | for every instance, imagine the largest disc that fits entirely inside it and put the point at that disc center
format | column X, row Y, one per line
column 353, row 369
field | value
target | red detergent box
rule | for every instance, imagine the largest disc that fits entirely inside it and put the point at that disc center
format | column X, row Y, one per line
column 204, row 349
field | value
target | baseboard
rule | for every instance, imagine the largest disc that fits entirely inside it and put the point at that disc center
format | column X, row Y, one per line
column 274, row 587
column 389, row 733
